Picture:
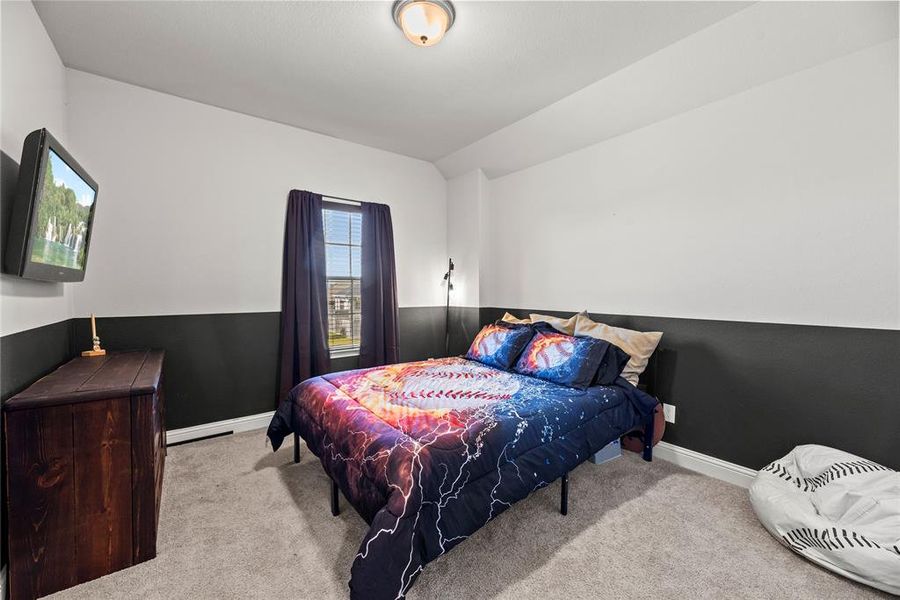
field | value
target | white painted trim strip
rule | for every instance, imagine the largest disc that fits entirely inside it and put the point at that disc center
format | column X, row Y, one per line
column 689, row 459
column 3, row 583
column 705, row 464
column 248, row 423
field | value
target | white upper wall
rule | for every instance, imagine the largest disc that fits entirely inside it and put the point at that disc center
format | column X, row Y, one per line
column 778, row 204
column 465, row 207
column 32, row 96
column 191, row 208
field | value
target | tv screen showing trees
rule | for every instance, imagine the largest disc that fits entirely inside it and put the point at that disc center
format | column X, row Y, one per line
column 63, row 216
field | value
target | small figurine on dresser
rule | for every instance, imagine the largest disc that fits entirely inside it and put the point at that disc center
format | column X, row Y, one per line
column 96, row 350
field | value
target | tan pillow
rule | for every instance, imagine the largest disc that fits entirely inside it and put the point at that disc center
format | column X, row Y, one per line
column 508, row 318
column 566, row 326
column 639, row 345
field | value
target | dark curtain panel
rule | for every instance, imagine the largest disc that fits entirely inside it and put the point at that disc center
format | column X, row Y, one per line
column 304, row 308
column 379, row 344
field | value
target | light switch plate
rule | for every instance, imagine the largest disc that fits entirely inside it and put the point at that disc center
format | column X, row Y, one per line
column 669, row 412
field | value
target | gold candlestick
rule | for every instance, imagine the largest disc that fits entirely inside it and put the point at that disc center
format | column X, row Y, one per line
column 97, row 350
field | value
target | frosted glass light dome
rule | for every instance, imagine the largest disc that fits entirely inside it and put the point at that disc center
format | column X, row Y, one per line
column 424, row 22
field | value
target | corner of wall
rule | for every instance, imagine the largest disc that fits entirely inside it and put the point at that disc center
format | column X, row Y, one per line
column 465, row 209
column 34, row 95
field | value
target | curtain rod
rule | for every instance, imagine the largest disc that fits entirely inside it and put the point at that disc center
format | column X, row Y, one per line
column 340, row 200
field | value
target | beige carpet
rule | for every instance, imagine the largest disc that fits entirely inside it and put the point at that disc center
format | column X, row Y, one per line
column 240, row 522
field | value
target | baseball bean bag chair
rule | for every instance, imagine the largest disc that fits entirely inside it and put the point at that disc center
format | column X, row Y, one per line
column 838, row 510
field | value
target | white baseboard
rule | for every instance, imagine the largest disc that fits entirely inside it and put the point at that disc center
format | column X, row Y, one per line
column 705, row 464
column 260, row 421
column 689, row 459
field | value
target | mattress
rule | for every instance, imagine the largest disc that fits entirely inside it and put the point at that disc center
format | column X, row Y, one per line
column 428, row 452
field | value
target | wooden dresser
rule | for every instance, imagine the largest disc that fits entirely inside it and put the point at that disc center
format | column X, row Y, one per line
column 85, row 448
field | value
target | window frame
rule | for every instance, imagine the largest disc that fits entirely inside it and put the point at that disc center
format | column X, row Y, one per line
column 352, row 350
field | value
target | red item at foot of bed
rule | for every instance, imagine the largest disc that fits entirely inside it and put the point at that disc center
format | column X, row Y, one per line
column 634, row 440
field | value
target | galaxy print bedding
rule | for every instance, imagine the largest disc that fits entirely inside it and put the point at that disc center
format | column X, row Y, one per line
column 428, row 452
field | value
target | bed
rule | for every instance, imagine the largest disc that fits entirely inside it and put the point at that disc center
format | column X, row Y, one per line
column 428, row 452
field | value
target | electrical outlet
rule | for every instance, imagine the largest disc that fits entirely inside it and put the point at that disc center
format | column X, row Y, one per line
column 669, row 412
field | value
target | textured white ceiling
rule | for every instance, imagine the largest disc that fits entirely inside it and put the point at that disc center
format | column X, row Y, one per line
column 764, row 42
column 343, row 69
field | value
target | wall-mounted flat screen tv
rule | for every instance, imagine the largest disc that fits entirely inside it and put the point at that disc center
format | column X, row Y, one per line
column 50, row 226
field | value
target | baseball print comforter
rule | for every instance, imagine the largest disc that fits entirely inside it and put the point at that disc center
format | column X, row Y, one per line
column 428, row 452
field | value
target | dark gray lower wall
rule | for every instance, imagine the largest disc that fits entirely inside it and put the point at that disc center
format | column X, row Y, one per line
column 465, row 322
column 744, row 392
column 29, row 355
column 218, row 366
column 222, row 366
column 749, row 392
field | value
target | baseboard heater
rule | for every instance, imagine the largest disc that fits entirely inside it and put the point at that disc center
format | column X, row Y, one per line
column 199, row 439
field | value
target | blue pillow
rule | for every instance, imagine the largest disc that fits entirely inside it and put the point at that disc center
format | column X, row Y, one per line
column 560, row 358
column 499, row 345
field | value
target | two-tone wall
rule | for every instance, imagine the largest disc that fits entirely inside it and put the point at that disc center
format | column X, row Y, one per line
column 760, row 232
column 33, row 316
column 188, row 241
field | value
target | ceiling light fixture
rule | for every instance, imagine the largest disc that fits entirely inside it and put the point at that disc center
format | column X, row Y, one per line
column 424, row 22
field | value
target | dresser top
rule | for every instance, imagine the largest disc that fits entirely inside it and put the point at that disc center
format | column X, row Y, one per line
column 86, row 378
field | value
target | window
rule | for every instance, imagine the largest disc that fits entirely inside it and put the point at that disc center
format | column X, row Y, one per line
column 343, row 242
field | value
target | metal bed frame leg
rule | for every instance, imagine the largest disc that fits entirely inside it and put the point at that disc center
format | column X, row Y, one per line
column 564, row 495
column 296, row 447
column 335, row 499
column 648, row 436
